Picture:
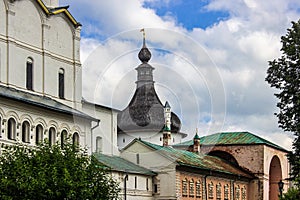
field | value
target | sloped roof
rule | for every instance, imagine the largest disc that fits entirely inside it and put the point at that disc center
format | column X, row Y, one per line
column 195, row 160
column 232, row 138
column 55, row 11
column 117, row 163
column 40, row 101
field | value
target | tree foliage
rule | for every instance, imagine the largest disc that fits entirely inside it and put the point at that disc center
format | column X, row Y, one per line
column 50, row 172
column 291, row 194
column 284, row 75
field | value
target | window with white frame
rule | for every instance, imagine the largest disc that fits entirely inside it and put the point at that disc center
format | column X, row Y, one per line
column 218, row 191
column 226, row 192
column 244, row 193
column 237, row 193
column 198, row 189
column 191, row 188
column 211, row 190
column 52, row 136
column 184, row 187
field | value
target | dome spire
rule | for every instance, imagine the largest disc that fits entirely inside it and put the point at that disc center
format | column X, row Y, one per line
column 144, row 54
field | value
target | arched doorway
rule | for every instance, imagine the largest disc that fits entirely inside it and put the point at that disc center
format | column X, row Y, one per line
column 275, row 175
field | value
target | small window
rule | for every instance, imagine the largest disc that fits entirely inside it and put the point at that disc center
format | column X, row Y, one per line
column 191, row 188
column 0, row 127
column 244, row 193
column 123, row 140
column 198, row 189
column 135, row 182
column 61, row 83
column 11, row 129
column 25, row 132
column 29, row 74
column 38, row 134
column 137, row 158
column 226, row 192
column 147, row 184
column 63, row 138
column 155, row 188
column 218, row 191
column 237, row 193
column 52, row 136
column 211, row 190
column 184, row 188
column 98, row 144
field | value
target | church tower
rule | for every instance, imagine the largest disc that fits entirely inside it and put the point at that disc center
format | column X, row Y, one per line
column 144, row 117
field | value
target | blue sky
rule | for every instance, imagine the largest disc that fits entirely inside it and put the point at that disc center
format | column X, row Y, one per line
column 210, row 58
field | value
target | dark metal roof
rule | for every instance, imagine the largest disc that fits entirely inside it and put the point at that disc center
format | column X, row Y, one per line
column 232, row 138
column 197, row 160
column 41, row 101
column 145, row 112
column 117, row 163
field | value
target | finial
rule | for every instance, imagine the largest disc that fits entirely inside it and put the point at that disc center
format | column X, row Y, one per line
column 144, row 37
column 144, row 54
column 196, row 135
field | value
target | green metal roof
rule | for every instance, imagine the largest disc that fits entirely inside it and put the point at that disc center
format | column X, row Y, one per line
column 232, row 138
column 117, row 163
column 195, row 160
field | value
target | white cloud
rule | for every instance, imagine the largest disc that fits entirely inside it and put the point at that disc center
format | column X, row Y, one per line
column 215, row 73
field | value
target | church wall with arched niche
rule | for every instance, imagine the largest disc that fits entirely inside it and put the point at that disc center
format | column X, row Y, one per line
column 59, row 36
column 250, row 157
column 25, row 25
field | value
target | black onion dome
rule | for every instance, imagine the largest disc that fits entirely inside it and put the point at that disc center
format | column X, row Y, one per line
column 144, row 54
column 145, row 112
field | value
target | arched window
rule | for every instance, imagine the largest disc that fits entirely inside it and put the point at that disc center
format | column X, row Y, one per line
column 99, row 144
column 75, row 139
column 211, row 190
column 25, row 131
column 11, row 129
column 226, row 192
column 244, row 193
column 218, row 191
column 184, row 187
column 38, row 134
column 52, row 136
column 191, row 188
column 29, row 74
column 61, row 83
column 237, row 193
column 63, row 138
column 198, row 189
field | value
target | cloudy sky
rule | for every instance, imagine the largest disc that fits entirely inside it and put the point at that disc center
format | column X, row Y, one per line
column 210, row 58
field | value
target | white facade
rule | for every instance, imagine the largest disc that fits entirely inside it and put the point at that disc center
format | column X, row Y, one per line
column 39, row 59
column 51, row 42
column 103, row 138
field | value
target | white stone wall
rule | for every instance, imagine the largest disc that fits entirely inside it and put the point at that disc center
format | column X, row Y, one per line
column 53, row 42
column 21, row 112
column 104, row 136
column 153, row 137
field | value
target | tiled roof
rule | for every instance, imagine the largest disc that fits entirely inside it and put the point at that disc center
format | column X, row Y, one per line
column 232, row 138
column 117, row 163
column 195, row 160
column 40, row 101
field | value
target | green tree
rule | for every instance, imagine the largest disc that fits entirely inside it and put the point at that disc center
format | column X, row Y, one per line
column 291, row 194
column 50, row 172
column 284, row 75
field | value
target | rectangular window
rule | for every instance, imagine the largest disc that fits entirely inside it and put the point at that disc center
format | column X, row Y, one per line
column 135, row 182
column 137, row 158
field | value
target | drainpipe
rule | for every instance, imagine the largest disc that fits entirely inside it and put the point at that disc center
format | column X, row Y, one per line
column 98, row 122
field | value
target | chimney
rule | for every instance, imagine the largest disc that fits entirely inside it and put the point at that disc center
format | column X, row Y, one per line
column 196, row 143
column 167, row 127
column 51, row 3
